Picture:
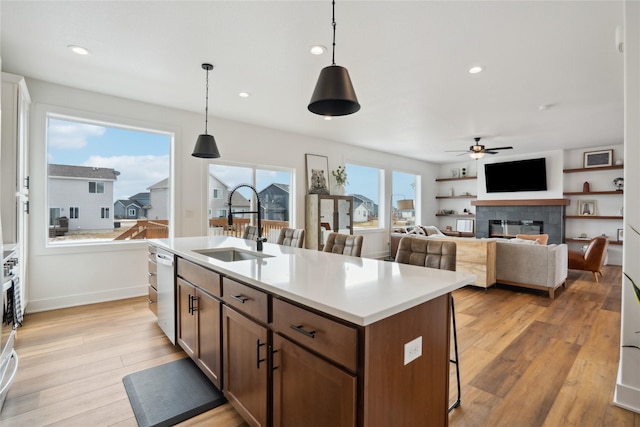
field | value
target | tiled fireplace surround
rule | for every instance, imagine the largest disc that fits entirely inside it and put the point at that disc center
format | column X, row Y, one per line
column 551, row 212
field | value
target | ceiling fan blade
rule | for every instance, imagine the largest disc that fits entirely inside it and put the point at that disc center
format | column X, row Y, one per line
column 490, row 152
column 456, row 151
column 464, row 153
column 499, row 148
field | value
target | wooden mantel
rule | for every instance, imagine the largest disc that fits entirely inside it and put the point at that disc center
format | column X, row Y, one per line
column 522, row 202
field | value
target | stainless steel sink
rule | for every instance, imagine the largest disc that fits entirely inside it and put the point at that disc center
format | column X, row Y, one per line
column 231, row 254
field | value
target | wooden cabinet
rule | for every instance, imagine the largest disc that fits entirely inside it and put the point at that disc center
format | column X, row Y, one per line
column 153, row 279
column 245, row 366
column 308, row 391
column 324, row 214
column 199, row 317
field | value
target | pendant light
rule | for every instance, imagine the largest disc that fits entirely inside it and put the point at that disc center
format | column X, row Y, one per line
column 334, row 94
column 206, row 144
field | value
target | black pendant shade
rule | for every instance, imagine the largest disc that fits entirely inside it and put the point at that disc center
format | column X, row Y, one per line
column 206, row 147
column 334, row 94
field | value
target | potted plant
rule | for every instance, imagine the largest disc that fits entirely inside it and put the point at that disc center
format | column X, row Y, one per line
column 340, row 175
column 636, row 290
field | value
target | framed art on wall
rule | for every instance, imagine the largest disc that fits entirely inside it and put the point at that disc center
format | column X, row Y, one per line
column 317, row 174
column 620, row 235
column 587, row 207
column 598, row 159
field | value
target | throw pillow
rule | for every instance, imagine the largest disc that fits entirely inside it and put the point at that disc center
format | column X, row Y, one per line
column 524, row 241
column 418, row 230
column 540, row 238
column 432, row 231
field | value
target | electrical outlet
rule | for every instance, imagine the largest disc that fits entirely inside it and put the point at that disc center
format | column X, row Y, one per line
column 412, row 350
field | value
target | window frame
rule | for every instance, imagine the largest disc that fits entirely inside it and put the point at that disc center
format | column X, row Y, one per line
column 382, row 215
column 41, row 116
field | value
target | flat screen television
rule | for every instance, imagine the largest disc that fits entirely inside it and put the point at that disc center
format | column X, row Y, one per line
column 520, row 175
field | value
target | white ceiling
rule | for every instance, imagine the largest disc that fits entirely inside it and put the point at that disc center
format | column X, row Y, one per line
column 408, row 61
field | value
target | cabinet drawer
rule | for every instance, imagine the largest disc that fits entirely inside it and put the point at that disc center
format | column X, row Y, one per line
column 153, row 300
column 201, row 277
column 152, row 250
column 251, row 301
column 333, row 340
column 153, row 274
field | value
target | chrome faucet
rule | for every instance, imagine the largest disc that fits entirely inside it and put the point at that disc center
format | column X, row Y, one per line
column 260, row 239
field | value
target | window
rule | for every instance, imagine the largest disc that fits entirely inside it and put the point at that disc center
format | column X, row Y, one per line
column 403, row 199
column 217, row 193
column 96, row 187
column 273, row 185
column 54, row 216
column 364, row 185
column 97, row 167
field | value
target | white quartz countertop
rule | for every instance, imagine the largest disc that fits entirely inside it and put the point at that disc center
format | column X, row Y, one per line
column 359, row 290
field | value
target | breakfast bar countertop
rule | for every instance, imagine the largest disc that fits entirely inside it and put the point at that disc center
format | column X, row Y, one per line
column 359, row 290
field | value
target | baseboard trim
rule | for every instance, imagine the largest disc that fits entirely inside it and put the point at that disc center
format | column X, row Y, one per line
column 67, row 301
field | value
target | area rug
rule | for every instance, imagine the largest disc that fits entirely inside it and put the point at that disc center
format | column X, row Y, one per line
column 171, row 393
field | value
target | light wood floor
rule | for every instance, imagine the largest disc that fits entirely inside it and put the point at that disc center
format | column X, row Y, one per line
column 525, row 360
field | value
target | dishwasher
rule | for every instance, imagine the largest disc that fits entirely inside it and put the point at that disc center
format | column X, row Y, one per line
column 166, row 293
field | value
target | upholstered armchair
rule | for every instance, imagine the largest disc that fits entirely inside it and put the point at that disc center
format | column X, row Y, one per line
column 250, row 232
column 593, row 258
column 291, row 237
column 344, row 244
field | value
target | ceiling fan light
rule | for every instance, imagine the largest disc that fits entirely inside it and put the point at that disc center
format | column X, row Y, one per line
column 334, row 94
column 476, row 156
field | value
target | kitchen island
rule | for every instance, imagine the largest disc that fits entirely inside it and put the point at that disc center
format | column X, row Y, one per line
column 312, row 338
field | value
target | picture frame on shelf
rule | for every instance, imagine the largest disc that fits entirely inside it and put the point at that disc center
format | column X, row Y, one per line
column 620, row 235
column 464, row 225
column 587, row 207
column 454, row 173
column 598, row 159
column 317, row 174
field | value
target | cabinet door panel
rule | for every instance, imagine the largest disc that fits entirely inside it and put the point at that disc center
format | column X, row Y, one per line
column 186, row 318
column 245, row 366
column 209, row 340
column 308, row 391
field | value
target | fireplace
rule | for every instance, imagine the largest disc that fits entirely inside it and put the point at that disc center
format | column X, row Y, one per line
column 509, row 228
column 548, row 212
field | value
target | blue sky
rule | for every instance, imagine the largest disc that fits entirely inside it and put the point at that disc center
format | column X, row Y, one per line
column 142, row 158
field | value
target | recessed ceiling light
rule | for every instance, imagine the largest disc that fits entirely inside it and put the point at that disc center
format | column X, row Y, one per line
column 244, row 94
column 327, row 118
column 476, row 69
column 79, row 50
column 317, row 50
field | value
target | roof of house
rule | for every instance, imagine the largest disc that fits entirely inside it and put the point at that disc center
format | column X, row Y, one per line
column 89, row 172
column 283, row 187
column 159, row 185
column 128, row 202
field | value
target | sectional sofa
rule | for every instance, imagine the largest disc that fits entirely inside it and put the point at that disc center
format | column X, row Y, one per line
column 517, row 262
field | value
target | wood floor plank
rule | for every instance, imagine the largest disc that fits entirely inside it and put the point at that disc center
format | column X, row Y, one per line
column 525, row 360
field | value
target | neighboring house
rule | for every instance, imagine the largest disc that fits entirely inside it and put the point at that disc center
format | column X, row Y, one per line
column 360, row 212
column 219, row 198
column 128, row 209
column 274, row 201
column 159, row 200
column 135, row 207
column 84, row 195
column 369, row 204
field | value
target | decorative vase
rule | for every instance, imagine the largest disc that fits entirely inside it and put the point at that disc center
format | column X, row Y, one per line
column 340, row 189
column 585, row 187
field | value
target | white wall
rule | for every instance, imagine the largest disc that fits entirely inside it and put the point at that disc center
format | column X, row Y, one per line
column 627, row 393
column 61, row 277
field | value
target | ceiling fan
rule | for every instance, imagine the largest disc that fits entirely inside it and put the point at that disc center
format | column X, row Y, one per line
column 477, row 151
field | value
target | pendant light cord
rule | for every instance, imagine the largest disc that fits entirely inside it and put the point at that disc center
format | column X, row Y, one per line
column 333, row 23
column 206, row 107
